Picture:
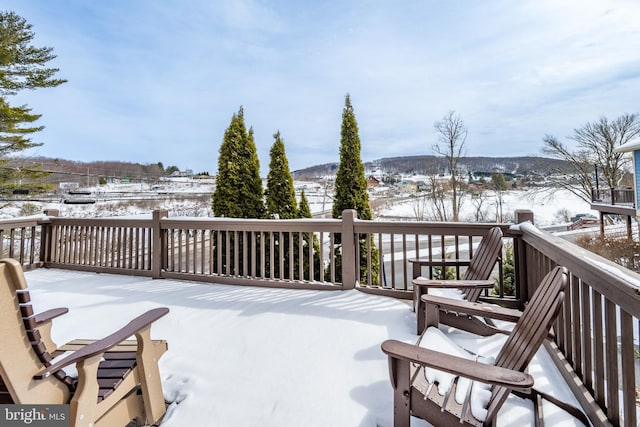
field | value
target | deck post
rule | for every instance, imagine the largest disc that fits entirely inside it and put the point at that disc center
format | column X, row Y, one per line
column 520, row 258
column 601, row 225
column 349, row 262
column 158, row 246
column 524, row 215
column 46, row 240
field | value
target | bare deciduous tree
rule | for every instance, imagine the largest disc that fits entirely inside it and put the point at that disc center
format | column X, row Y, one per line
column 499, row 185
column 595, row 146
column 420, row 205
column 438, row 196
column 452, row 135
column 478, row 199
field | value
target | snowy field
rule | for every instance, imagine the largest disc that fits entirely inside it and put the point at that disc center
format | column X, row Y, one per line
column 246, row 357
column 189, row 198
column 550, row 206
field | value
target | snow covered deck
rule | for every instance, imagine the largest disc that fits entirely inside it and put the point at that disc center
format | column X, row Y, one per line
column 246, row 356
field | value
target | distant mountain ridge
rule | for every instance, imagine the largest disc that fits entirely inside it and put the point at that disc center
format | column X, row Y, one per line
column 408, row 165
column 61, row 170
column 89, row 172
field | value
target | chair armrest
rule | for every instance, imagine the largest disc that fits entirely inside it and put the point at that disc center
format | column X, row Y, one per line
column 100, row 346
column 44, row 322
column 452, row 284
column 48, row 315
column 489, row 374
column 490, row 311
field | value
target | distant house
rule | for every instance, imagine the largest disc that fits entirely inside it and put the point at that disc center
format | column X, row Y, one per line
column 620, row 201
column 181, row 174
column 634, row 148
column 407, row 186
column 372, row 181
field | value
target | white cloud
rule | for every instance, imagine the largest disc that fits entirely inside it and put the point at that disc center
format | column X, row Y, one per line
column 159, row 81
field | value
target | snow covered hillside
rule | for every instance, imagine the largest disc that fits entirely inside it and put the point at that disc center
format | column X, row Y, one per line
column 188, row 197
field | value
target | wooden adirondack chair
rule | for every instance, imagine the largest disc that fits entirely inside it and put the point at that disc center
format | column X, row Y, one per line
column 118, row 380
column 475, row 278
column 414, row 395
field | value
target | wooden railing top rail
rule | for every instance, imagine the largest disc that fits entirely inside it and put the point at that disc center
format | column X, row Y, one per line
column 236, row 224
column 99, row 222
column 427, row 227
column 25, row 221
column 304, row 225
column 619, row 284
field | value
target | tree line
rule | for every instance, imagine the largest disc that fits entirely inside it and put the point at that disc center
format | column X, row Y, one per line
column 239, row 193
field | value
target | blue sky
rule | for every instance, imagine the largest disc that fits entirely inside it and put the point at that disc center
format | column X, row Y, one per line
column 158, row 81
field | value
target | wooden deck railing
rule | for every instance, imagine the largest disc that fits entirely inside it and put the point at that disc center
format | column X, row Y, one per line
column 613, row 196
column 596, row 342
column 596, row 345
column 19, row 239
column 310, row 253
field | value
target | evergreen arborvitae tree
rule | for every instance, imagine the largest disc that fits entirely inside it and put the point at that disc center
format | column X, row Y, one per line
column 351, row 184
column 280, row 194
column 351, row 192
column 22, row 66
column 508, row 274
column 238, row 192
column 281, row 203
column 305, row 212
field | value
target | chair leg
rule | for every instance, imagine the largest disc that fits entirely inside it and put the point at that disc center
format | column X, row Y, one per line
column 537, row 410
column 420, row 307
column 401, row 381
column 149, row 376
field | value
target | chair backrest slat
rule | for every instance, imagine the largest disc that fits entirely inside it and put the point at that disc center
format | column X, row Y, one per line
column 530, row 331
column 483, row 260
column 22, row 352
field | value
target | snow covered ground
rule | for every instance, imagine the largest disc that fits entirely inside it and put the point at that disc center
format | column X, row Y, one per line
column 246, row 356
column 550, row 206
column 193, row 198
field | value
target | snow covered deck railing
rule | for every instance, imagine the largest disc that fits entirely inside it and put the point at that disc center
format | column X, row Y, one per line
column 596, row 342
column 613, row 196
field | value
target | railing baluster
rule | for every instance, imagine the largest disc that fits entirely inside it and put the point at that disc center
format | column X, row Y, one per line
column 576, row 323
column 628, row 369
column 262, row 267
column 234, row 254
column 611, row 354
column 586, row 336
column 12, row 234
column 405, row 272
column 383, row 277
column 254, row 254
column 187, row 250
column 598, row 336
column 23, row 235
column 392, row 250
column 280, row 254
column 332, row 252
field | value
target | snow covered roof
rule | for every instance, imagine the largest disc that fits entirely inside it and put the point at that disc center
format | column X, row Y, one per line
column 629, row 146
